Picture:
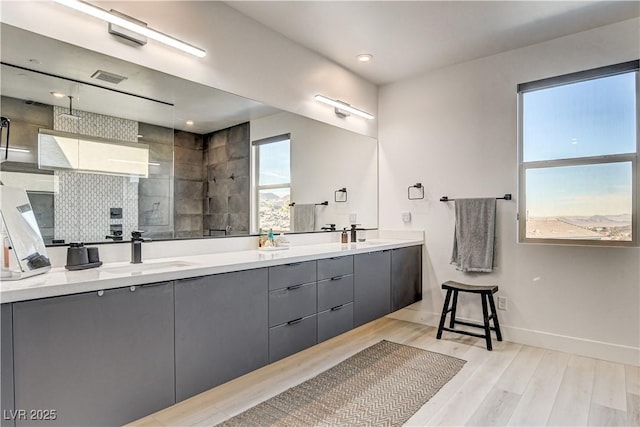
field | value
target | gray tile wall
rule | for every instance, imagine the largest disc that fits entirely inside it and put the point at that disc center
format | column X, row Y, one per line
column 226, row 156
column 189, row 184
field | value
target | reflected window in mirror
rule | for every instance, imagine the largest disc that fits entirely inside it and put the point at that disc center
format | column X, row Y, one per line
column 272, row 178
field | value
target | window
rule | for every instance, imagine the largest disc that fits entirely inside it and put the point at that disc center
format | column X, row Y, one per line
column 272, row 178
column 578, row 154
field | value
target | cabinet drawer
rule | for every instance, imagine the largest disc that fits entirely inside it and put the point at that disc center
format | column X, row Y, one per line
column 332, row 267
column 281, row 276
column 291, row 303
column 292, row 337
column 335, row 291
column 335, row 321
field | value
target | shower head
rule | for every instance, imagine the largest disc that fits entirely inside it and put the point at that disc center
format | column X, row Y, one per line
column 70, row 114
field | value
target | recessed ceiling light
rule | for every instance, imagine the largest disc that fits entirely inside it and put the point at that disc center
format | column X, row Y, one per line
column 364, row 57
column 58, row 94
column 140, row 135
column 189, row 122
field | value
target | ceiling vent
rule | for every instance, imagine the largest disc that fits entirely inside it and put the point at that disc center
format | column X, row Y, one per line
column 106, row 76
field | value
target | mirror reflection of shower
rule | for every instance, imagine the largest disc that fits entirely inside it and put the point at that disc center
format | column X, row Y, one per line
column 5, row 123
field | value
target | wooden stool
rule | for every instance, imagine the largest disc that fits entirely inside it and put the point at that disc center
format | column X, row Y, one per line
column 486, row 293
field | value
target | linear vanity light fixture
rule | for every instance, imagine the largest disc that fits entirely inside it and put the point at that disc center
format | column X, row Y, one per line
column 114, row 19
column 341, row 107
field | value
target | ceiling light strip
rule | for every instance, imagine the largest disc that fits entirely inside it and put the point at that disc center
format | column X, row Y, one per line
column 344, row 106
column 132, row 26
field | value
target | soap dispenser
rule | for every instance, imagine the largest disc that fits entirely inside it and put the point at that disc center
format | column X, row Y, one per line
column 344, row 237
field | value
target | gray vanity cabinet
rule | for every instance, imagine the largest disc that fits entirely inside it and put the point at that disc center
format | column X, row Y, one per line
column 221, row 329
column 335, row 296
column 335, row 321
column 6, row 365
column 98, row 358
column 292, row 308
column 372, row 286
column 406, row 276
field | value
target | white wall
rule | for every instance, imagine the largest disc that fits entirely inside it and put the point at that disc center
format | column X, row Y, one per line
column 454, row 130
column 323, row 159
column 243, row 56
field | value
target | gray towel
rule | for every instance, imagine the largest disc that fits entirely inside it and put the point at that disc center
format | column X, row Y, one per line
column 304, row 218
column 474, row 237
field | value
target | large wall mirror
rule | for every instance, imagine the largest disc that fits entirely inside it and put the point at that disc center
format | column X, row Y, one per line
column 104, row 147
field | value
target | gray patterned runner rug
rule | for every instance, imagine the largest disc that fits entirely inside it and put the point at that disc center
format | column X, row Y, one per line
column 383, row 385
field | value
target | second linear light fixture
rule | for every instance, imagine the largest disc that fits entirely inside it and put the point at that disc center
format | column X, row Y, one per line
column 342, row 108
column 139, row 28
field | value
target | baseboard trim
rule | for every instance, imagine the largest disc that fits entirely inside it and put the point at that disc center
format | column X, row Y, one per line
column 583, row 347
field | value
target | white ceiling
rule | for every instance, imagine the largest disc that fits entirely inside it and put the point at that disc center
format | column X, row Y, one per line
column 409, row 38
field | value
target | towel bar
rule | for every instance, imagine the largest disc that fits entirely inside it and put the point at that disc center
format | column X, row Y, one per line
column 506, row 197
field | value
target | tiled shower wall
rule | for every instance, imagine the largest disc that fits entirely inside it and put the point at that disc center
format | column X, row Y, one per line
column 226, row 156
column 83, row 200
column 189, row 184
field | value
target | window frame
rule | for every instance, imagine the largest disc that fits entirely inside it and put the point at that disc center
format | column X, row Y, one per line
column 256, row 187
column 523, row 167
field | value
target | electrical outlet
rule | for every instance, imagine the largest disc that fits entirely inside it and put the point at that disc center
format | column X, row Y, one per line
column 353, row 217
column 503, row 303
column 406, row 217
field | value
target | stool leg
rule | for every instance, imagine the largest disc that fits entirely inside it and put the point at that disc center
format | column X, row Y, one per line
column 485, row 315
column 454, row 306
column 496, row 324
column 443, row 317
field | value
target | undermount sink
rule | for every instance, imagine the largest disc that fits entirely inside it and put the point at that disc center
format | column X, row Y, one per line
column 147, row 266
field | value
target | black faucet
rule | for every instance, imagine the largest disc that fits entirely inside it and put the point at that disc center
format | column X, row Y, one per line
column 353, row 232
column 331, row 227
column 136, row 246
column 116, row 235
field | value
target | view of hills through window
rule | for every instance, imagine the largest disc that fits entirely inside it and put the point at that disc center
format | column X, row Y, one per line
column 579, row 145
column 274, row 184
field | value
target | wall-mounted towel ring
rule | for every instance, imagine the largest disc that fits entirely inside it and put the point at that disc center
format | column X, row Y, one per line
column 340, row 195
column 420, row 188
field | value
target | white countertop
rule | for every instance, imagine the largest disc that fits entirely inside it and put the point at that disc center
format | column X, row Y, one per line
column 59, row 281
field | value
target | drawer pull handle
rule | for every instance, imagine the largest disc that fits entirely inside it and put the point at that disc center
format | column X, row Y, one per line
column 337, row 308
column 293, row 322
column 294, row 287
column 338, row 277
column 293, row 264
column 132, row 288
column 100, row 292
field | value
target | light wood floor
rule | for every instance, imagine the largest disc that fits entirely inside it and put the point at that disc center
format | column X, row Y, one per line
column 512, row 385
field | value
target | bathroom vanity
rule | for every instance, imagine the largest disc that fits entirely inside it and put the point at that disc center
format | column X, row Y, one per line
column 110, row 345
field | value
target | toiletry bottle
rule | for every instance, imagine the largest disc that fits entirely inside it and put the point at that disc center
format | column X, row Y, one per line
column 271, row 237
column 6, row 257
column 260, row 238
column 344, row 237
